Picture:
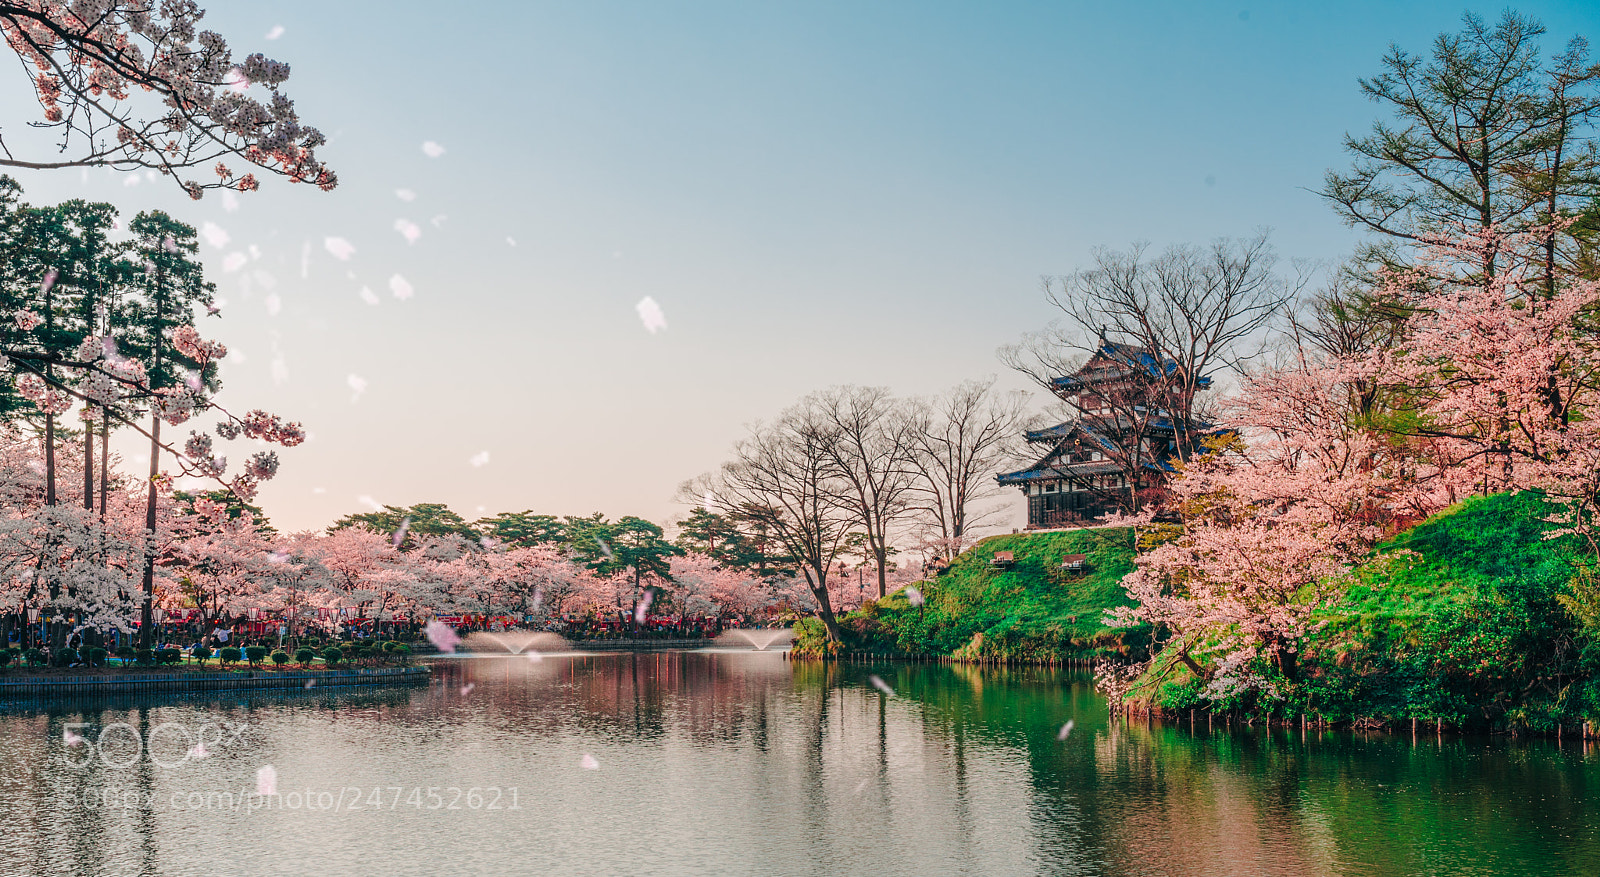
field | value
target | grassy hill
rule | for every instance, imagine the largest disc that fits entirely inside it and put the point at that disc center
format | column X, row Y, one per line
column 1033, row 610
column 1458, row 620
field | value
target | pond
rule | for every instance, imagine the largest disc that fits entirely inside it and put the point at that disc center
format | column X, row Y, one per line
column 721, row 762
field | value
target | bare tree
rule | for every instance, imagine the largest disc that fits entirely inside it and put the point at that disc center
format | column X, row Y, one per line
column 871, row 452
column 1141, row 338
column 960, row 440
column 783, row 479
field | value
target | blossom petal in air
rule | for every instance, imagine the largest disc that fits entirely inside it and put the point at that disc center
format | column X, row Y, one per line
column 588, row 762
column 650, row 313
column 432, row 149
column 277, row 31
column 234, row 262
column 215, row 235
column 408, row 230
column 479, row 459
column 339, row 248
column 368, row 296
column 358, row 384
column 267, row 781
column 1065, row 730
column 399, row 536
column 400, row 287
column 881, row 685
column 914, row 596
column 467, row 689
column 442, row 635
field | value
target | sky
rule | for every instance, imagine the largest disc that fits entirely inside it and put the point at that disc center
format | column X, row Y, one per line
column 813, row 194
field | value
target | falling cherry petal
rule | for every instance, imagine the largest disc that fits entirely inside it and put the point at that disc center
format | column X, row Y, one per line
column 358, row 384
column 405, row 194
column 881, row 685
column 399, row 287
column 339, row 248
column 479, row 459
column 467, row 689
column 432, row 149
column 533, row 656
column 215, row 235
column 442, row 635
column 399, row 535
column 589, row 763
column 650, row 313
column 267, row 781
column 72, row 739
column 408, row 230
column 277, row 31
column 1065, row 730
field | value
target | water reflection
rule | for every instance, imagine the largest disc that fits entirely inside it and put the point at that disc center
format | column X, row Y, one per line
column 743, row 763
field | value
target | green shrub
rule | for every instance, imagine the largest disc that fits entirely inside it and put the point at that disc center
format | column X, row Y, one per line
column 97, row 656
column 145, row 657
column 280, row 657
column 304, row 657
column 65, row 656
column 5, row 657
column 255, row 654
column 228, row 655
column 34, row 657
column 202, row 653
column 170, row 656
column 332, row 655
column 401, row 651
column 126, row 653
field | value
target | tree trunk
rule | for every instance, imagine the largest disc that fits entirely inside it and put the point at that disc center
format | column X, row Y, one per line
column 105, row 458
column 88, row 465
column 880, row 553
column 49, row 459
column 149, row 586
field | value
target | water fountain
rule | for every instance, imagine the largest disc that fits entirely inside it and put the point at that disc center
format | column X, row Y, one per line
column 759, row 638
column 514, row 642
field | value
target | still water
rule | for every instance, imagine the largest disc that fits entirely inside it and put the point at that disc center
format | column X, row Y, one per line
column 743, row 763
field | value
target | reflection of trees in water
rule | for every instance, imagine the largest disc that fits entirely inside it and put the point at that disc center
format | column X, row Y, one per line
column 962, row 767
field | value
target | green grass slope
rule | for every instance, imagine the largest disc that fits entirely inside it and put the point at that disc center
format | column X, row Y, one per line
column 1034, row 610
column 1455, row 620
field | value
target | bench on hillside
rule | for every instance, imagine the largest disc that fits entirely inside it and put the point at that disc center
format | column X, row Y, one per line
column 1002, row 560
column 1075, row 562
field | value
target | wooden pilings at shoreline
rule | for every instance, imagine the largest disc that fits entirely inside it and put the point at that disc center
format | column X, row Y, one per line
column 887, row 658
column 137, row 682
column 1416, row 728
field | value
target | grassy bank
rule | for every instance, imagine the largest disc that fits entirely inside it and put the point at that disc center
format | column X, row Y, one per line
column 1456, row 623
column 1033, row 610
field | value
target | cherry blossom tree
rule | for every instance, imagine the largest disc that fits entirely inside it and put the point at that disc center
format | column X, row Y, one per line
column 133, row 84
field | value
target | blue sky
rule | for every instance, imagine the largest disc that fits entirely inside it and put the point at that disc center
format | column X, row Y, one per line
column 815, row 193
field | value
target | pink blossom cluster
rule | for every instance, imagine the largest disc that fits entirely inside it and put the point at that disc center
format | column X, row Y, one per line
column 91, row 58
column 188, row 341
column 259, row 424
